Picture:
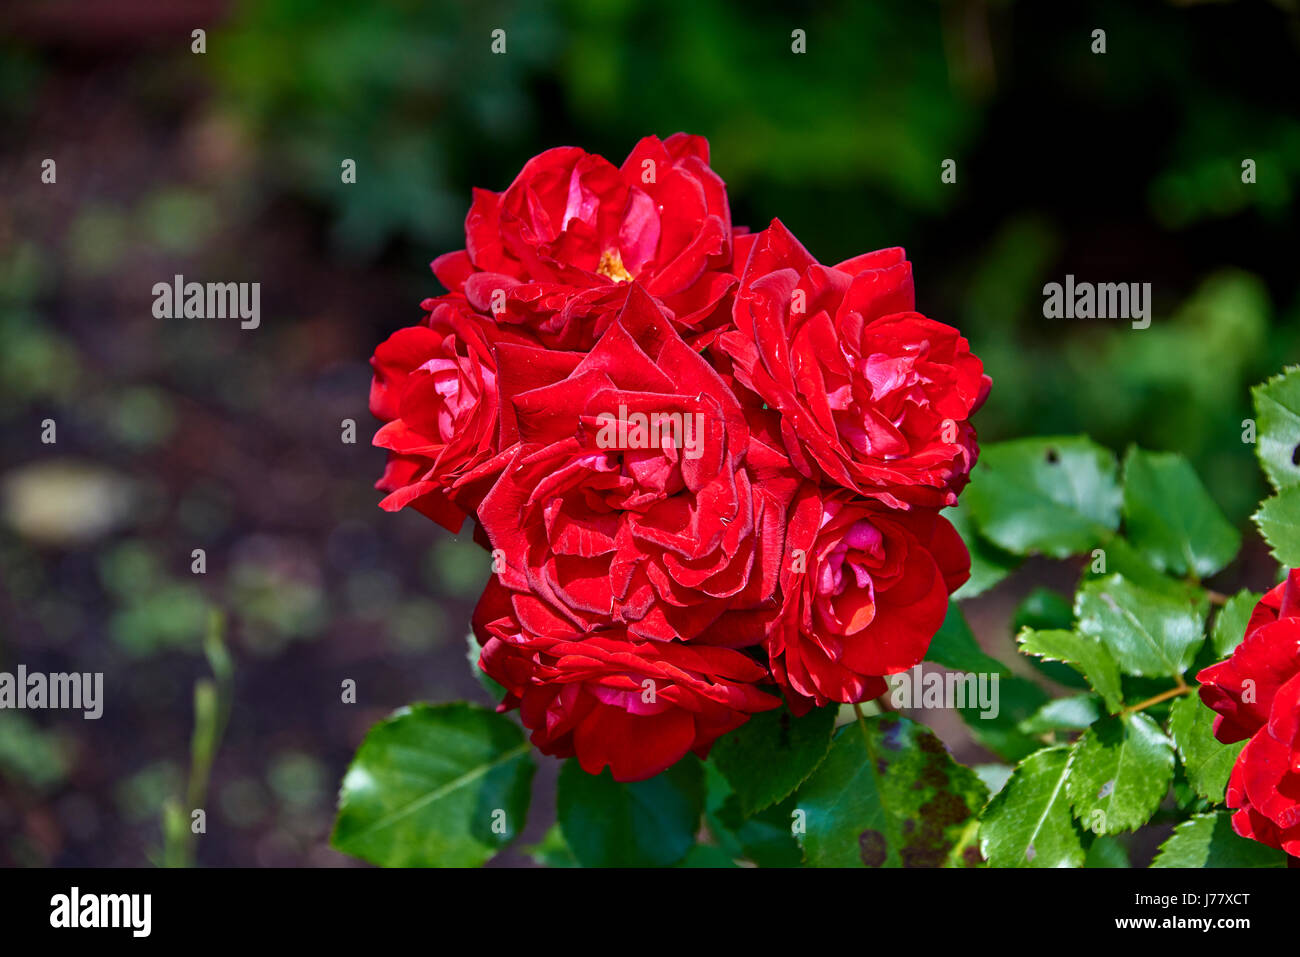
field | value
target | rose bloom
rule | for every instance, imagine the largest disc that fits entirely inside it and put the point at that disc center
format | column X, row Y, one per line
column 873, row 396
column 547, row 254
column 865, row 589
column 1256, row 693
column 681, row 539
column 435, row 387
column 610, row 698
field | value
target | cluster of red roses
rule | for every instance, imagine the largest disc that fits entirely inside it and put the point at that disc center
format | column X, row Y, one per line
column 644, row 593
column 1256, row 693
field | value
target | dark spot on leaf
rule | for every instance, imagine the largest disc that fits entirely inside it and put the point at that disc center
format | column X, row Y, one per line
column 881, row 766
column 930, row 844
column 909, row 827
column 945, row 809
column 929, row 744
column 1295, row 455
column 1052, row 457
column 871, row 845
column 893, row 736
column 1107, row 789
column 924, row 855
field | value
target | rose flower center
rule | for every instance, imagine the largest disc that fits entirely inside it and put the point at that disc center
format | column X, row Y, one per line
column 611, row 266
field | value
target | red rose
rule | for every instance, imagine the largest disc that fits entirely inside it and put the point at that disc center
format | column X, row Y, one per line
column 865, row 589
column 1241, row 689
column 1256, row 693
column 1281, row 601
column 675, row 530
column 573, row 224
column 1264, row 785
column 873, row 396
column 435, row 387
column 611, row 698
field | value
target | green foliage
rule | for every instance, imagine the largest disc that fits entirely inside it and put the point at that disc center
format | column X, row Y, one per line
column 435, row 785
column 1147, row 632
column 1058, row 496
column 1136, row 630
column 1206, row 761
column 1082, row 651
column 1278, row 520
column 1208, row 840
column 1075, row 713
column 1230, row 622
column 1170, row 517
column 648, row 823
column 1028, row 823
column 1120, row 771
column 1277, row 419
column 772, row 753
column 889, row 795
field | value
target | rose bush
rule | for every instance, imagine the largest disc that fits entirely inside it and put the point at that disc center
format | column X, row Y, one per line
column 715, row 482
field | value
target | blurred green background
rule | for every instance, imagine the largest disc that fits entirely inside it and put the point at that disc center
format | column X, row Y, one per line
column 174, row 435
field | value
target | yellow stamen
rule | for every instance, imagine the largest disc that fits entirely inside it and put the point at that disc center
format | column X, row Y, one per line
column 611, row 266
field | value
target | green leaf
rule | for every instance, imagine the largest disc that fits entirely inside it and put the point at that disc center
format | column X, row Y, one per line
column 889, row 797
column 1148, row 633
column 954, row 646
column 1083, row 652
column 1028, row 823
column 1208, row 840
column 988, row 563
column 772, row 753
column 1206, row 761
column 1230, row 623
column 707, row 855
column 1277, row 415
column 766, row 838
column 1059, row 496
column 1278, row 520
column 1075, row 713
column 1171, row 519
column 1121, row 770
column 1107, row 851
column 551, row 850
column 432, row 786
column 1046, row 610
column 648, row 823
column 1119, row 557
